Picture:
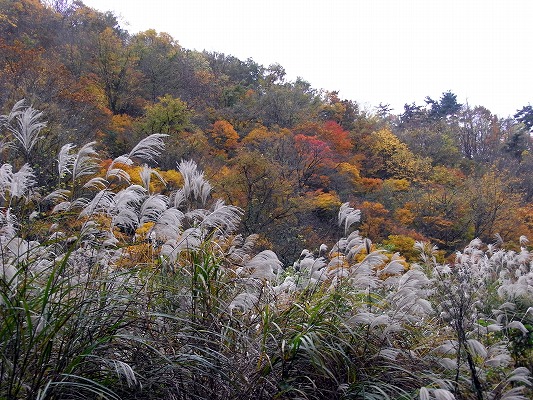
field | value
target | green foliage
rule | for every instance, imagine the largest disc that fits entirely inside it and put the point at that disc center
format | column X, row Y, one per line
column 169, row 115
column 445, row 107
column 525, row 116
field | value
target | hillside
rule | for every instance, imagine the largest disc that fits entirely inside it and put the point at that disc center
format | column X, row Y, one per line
column 420, row 175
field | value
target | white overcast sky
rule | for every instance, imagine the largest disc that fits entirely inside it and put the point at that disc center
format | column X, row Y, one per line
column 371, row 51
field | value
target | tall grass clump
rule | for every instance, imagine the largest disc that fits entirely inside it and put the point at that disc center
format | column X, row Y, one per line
column 113, row 286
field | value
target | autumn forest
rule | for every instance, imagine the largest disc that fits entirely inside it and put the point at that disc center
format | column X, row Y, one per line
column 397, row 200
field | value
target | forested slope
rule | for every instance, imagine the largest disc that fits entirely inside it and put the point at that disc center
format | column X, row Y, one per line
column 287, row 153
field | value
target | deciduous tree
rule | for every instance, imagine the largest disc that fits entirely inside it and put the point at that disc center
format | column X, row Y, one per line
column 169, row 115
column 115, row 63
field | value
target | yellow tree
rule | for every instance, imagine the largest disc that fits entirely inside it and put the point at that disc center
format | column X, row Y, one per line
column 115, row 69
column 493, row 203
column 169, row 115
column 388, row 157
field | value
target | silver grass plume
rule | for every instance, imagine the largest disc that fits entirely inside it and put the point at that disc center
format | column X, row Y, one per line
column 190, row 239
column 394, row 267
column 148, row 149
column 16, row 184
column 168, row 224
column 126, row 206
column 27, row 128
column 152, row 208
column 435, row 394
column 519, row 375
column 85, row 162
column 146, row 174
column 5, row 121
column 194, row 182
column 244, row 301
column 15, row 112
column 102, row 202
column 65, row 160
column 348, row 216
column 264, row 265
column 240, row 248
column 8, row 224
column 224, row 218
column 96, row 183
column 344, row 245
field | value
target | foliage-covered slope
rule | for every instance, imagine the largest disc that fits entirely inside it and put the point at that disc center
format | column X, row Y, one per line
column 286, row 153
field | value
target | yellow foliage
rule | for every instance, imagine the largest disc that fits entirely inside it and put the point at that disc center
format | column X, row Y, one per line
column 141, row 253
column 390, row 157
column 96, row 92
column 386, row 143
column 256, row 135
column 172, row 177
column 142, row 231
column 351, row 171
column 446, row 176
column 223, row 171
column 327, row 201
column 403, row 245
column 397, row 185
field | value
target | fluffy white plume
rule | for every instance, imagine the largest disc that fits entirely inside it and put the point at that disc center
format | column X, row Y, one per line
column 348, row 216
column 244, row 301
column 146, row 174
column 16, row 184
column 149, row 148
column 27, row 128
column 223, row 217
column 264, row 265
column 168, row 224
column 152, row 208
column 65, row 160
column 85, row 161
column 395, row 266
column 101, row 202
column 194, row 183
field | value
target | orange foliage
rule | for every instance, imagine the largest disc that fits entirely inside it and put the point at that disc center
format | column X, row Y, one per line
column 371, row 184
column 404, row 216
column 224, row 135
column 374, row 223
